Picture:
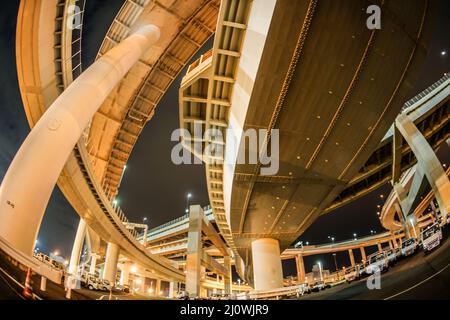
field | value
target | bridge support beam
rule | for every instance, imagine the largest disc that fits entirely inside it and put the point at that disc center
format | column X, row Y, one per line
column 428, row 162
column 125, row 274
column 194, row 251
column 352, row 257
column 267, row 269
column 158, row 288
column 173, row 288
column 300, row 268
column 93, row 265
column 112, row 257
column 363, row 254
column 32, row 175
column 227, row 277
column 77, row 247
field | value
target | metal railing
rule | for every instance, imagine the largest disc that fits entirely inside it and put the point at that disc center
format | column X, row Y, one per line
column 200, row 60
column 425, row 92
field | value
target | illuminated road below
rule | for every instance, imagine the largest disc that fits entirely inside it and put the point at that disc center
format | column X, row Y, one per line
column 422, row 276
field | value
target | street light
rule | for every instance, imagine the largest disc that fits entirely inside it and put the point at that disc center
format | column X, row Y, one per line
column 320, row 270
column 412, row 225
column 443, row 53
column 335, row 261
column 188, row 198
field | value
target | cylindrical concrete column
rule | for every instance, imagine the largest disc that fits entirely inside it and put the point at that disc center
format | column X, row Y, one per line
column 112, row 257
column 125, row 274
column 43, row 284
column 77, row 247
column 352, row 258
column 172, row 288
column 227, row 277
column 158, row 287
column 363, row 254
column 32, row 175
column 300, row 268
column 267, row 269
column 93, row 264
column 380, row 248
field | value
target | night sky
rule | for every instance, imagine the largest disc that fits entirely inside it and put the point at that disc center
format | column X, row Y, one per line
column 152, row 186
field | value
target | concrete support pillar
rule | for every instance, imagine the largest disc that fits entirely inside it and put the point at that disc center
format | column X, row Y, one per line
column 227, row 279
column 391, row 246
column 380, row 248
column 267, row 269
column 77, row 247
column 428, row 162
column 158, row 288
column 93, row 265
column 112, row 257
column 32, row 175
column 142, row 286
column 125, row 274
column 43, row 284
column 300, row 268
column 194, row 251
column 394, row 243
column 363, row 254
column 352, row 258
column 172, row 289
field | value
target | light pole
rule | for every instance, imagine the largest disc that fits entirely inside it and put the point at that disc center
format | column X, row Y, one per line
column 188, row 198
column 335, row 261
column 413, row 227
column 320, row 270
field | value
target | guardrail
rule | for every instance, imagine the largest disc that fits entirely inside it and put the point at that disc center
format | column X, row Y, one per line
column 297, row 290
column 425, row 92
column 200, row 60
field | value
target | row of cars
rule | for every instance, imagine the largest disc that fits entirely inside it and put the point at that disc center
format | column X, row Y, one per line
column 49, row 261
column 430, row 238
column 93, row 282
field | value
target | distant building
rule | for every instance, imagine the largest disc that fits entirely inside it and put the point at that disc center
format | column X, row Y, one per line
column 314, row 275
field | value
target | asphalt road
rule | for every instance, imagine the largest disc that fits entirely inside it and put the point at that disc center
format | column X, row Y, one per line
column 418, row 277
column 422, row 276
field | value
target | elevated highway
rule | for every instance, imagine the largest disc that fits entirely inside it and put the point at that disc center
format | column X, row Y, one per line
column 245, row 82
column 431, row 116
column 44, row 74
column 248, row 83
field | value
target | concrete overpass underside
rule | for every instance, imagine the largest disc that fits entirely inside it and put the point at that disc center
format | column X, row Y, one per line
column 333, row 92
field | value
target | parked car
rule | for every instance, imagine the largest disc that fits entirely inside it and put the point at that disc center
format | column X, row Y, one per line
column 431, row 237
column 409, row 246
column 353, row 274
column 182, row 295
column 391, row 256
column 90, row 282
column 377, row 263
column 123, row 288
column 318, row 286
column 104, row 285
